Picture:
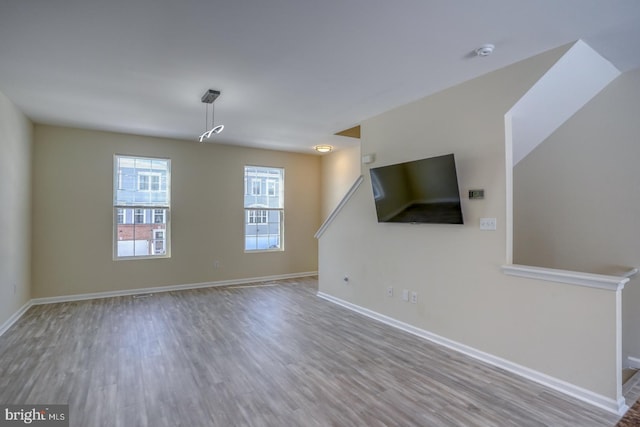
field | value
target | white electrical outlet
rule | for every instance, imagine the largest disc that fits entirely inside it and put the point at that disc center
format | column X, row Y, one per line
column 216, row 264
column 414, row 297
column 488, row 223
column 390, row 291
column 405, row 295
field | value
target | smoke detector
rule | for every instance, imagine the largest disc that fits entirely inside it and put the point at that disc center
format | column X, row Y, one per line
column 485, row 50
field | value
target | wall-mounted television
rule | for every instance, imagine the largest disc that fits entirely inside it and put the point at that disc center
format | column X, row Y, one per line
column 419, row 191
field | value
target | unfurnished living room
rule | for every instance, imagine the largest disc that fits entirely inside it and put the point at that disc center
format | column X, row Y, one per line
column 337, row 213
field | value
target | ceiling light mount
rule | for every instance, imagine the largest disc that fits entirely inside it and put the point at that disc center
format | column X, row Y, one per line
column 485, row 50
column 208, row 98
column 323, row 148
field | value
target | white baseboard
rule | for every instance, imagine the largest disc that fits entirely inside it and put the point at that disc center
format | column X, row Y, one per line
column 14, row 318
column 158, row 289
column 618, row 407
column 633, row 362
column 109, row 294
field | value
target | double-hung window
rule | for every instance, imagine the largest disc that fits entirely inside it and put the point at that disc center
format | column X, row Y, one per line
column 264, row 208
column 141, row 207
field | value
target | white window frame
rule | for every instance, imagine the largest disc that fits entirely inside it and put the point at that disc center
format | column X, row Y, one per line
column 264, row 184
column 147, row 205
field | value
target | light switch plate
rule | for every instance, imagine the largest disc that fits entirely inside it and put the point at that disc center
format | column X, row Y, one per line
column 488, row 224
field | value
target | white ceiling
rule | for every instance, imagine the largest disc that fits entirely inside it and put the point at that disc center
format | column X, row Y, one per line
column 291, row 72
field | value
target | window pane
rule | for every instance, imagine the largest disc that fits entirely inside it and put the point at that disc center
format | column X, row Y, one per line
column 140, row 237
column 263, row 230
column 271, row 180
column 142, row 181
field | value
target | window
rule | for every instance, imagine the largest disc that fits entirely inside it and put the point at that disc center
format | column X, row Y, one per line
column 257, row 216
column 149, row 181
column 255, row 187
column 158, row 216
column 121, row 216
column 264, row 208
column 141, row 203
column 138, row 216
column 272, row 188
column 159, row 242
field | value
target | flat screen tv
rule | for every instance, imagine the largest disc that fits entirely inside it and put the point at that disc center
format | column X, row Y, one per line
column 419, row 191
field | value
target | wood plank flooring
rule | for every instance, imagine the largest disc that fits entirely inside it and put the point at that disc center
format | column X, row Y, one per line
column 257, row 356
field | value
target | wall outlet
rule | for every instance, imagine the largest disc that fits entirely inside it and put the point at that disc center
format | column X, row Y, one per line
column 414, row 297
column 488, row 223
column 405, row 295
column 216, row 264
column 390, row 291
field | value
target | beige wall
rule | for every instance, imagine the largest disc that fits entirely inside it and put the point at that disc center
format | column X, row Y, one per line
column 72, row 222
column 462, row 293
column 340, row 170
column 577, row 196
column 15, row 214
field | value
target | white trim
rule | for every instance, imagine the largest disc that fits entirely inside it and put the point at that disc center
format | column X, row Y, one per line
column 157, row 289
column 598, row 281
column 15, row 317
column 618, row 349
column 633, row 362
column 618, row 407
column 338, row 208
column 109, row 294
column 508, row 155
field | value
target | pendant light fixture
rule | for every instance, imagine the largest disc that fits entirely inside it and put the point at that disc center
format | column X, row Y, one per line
column 208, row 98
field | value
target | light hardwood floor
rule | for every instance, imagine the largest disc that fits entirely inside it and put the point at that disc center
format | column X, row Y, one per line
column 257, row 356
